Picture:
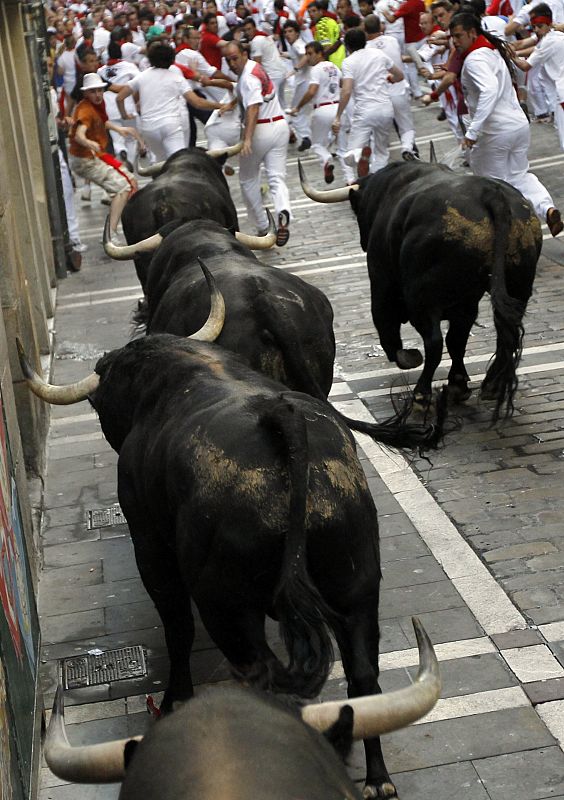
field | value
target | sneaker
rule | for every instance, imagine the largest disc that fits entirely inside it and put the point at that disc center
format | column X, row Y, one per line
column 106, row 201
column 78, row 247
column 554, row 221
column 74, row 261
column 441, row 116
column 283, row 233
column 292, row 139
column 305, row 144
column 544, row 119
column 328, row 170
column 363, row 166
column 228, row 170
column 410, row 155
column 86, row 194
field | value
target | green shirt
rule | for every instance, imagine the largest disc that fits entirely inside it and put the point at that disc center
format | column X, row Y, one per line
column 328, row 31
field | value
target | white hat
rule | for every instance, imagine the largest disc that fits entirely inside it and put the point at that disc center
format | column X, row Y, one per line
column 93, row 81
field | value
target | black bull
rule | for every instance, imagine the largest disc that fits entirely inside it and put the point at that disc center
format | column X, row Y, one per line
column 190, row 186
column 249, row 499
column 435, row 242
column 279, row 324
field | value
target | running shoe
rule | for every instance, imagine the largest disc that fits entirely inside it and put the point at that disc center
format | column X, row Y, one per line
column 328, row 171
column 283, row 232
column 363, row 167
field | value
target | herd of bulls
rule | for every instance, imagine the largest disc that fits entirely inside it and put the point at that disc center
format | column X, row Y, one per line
column 241, row 485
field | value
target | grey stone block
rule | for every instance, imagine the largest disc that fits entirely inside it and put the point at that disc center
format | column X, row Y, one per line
column 448, row 782
column 530, row 775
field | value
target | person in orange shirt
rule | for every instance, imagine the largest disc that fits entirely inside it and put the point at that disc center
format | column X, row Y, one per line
column 88, row 143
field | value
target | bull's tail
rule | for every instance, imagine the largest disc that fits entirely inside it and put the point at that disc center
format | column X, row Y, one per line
column 398, row 432
column 500, row 382
column 304, row 616
column 394, row 432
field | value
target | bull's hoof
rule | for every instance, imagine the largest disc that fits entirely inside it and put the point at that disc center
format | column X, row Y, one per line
column 422, row 402
column 409, row 359
column 488, row 392
column 458, row 391
column 384, row 790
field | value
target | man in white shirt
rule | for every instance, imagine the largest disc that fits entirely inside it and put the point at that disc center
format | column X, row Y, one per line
column 548, row 54
column 497, row 134
column 324, row 91
column 367, row 74
column 296, row 53
column 265, row 52
column 265, row 141
column 399, row 92
column 102, row 37
column 192, row 58
column 538, row 98
column 118, row 71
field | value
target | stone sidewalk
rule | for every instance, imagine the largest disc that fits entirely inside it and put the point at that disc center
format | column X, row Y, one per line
column 493, row 733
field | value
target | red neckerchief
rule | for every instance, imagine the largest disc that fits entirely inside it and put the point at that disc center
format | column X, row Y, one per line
column 183, row 47
column 111, row 61
column 186, row 71
column 436, row 28
column 481, row 41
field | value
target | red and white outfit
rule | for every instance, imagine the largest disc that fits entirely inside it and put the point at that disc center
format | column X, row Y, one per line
column 399, row 92
column 164, row 118
column 549, row 54
column 498, row 125
column 539, row 98
column 373, row 111
column 277, row 69
column 269, row 145
column 301, row 122
column 327, row 77
column 409, row 11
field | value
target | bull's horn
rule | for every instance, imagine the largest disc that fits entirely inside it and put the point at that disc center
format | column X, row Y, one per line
column 259, row 242
column 432, row 154
column 226, row 151
column 378, row 714
column 152, row 169
column 214, row 323
column 327, row 196
column 123, row 252
column 58, row 395
column 95, row 763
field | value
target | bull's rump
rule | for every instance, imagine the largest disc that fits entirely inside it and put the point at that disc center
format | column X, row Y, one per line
column 435, row 233
column 223, row 478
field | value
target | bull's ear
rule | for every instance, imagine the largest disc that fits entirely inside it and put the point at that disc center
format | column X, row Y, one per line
column 128, row 751
column 340, row 734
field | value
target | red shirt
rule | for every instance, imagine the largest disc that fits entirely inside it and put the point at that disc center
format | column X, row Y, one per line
column 409, row 11
column 209, row 49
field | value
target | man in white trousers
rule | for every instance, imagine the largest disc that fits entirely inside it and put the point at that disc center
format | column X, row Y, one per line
column 296, row 52
column 265, row 141
column 497, row 135
column 324, row 91
column 367, row 75
column 399, row 92
column 549, row 53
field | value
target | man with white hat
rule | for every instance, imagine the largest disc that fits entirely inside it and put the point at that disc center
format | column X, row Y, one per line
column 88, row 143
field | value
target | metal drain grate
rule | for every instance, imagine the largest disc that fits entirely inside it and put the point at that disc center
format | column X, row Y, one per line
column 104, row 517
column 93, row 669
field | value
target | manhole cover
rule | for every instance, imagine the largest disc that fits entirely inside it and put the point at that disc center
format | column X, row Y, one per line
column 104, row 517
column 92, row 669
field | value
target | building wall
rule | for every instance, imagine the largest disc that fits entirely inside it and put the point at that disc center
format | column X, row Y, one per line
column 29, row 264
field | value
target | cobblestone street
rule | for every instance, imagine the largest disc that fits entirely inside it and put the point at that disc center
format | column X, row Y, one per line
column 472, row 541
